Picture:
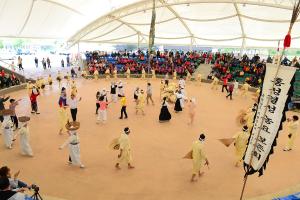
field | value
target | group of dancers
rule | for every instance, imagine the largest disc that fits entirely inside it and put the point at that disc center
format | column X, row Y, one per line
column 170, row 92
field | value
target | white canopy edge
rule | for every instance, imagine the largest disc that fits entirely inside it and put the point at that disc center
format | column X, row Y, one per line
column 146, row 5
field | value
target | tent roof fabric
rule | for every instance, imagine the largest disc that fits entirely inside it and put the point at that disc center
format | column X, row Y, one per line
column 253, row 23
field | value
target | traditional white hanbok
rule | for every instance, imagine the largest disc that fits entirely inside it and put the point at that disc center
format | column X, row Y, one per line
column 74, row 148
column 24, row 140
column 7, row 126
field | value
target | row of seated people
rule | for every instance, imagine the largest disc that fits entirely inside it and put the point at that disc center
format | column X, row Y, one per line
column 164, row 63
column 242, row 69
column 8, row 80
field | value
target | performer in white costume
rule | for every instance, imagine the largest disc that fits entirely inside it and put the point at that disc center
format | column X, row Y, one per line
column 7, row 127
column 24, row 136
column 73, row 143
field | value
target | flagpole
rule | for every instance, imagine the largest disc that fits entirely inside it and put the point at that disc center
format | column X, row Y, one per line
column 260, row 127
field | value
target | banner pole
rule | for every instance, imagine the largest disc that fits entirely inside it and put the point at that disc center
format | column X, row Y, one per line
column 258, row 134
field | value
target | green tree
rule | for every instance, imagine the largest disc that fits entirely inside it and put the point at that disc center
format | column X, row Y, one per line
column 18, row 43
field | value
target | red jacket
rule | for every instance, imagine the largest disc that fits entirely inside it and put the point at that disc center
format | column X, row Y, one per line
column 33, row 97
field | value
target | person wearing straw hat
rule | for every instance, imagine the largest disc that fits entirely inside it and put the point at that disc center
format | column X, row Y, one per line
column 125, row 149
column 199, row 157
column 7, row 126
column 140, row 103
column 240, row 144
column 24, row 136
column 73, row 143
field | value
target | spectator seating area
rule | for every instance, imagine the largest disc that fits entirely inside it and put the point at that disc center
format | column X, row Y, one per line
column 244, row 69
column 162, row 63
column 8, row 79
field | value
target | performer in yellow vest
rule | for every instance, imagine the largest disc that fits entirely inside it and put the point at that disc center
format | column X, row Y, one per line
column 107, row 74
column 293, row 125
column 174, row 75
column 199, row 78
column 140, row 103
column 73, row 88
column 143, row 73
column 125, row 149
column 59, row 79
column 68, row 77
column 245, row 90
column 128, row 73
column 199, row 157
column 153, row 73
column 96, row 74
column 50, row 80
column 215, row 83
column 240, row 143
column 29, row 87
column 115, row 73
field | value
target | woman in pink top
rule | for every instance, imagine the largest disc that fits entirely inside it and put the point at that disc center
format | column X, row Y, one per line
column 102, row 114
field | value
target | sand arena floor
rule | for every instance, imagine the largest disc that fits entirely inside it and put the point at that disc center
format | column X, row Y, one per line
column 157, row 148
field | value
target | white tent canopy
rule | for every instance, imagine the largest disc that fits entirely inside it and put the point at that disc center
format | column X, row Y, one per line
column 252, row 23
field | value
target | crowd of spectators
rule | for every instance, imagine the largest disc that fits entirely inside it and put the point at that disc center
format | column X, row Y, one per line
column 8, row 80
column 241, row 69
column 162, row 62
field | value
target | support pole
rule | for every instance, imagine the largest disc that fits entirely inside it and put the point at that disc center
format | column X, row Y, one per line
column 139, row 39
column 243, row 47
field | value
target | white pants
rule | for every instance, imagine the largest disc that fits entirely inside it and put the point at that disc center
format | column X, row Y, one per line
column 102, row 115
column 74, row 151
column 114, row 97
column 8, row 137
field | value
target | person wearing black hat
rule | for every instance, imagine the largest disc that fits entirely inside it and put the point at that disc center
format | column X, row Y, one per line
column 125, row 151
column 199, row 157
column 240, row 143
column 293, row 125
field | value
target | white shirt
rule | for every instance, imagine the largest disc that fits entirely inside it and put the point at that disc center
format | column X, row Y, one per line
column 73, row 103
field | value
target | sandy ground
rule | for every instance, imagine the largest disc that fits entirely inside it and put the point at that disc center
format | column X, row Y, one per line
column 160, row 171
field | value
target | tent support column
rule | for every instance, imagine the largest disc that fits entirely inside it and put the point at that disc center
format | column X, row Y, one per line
column 243, row 47
column 139, row 40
